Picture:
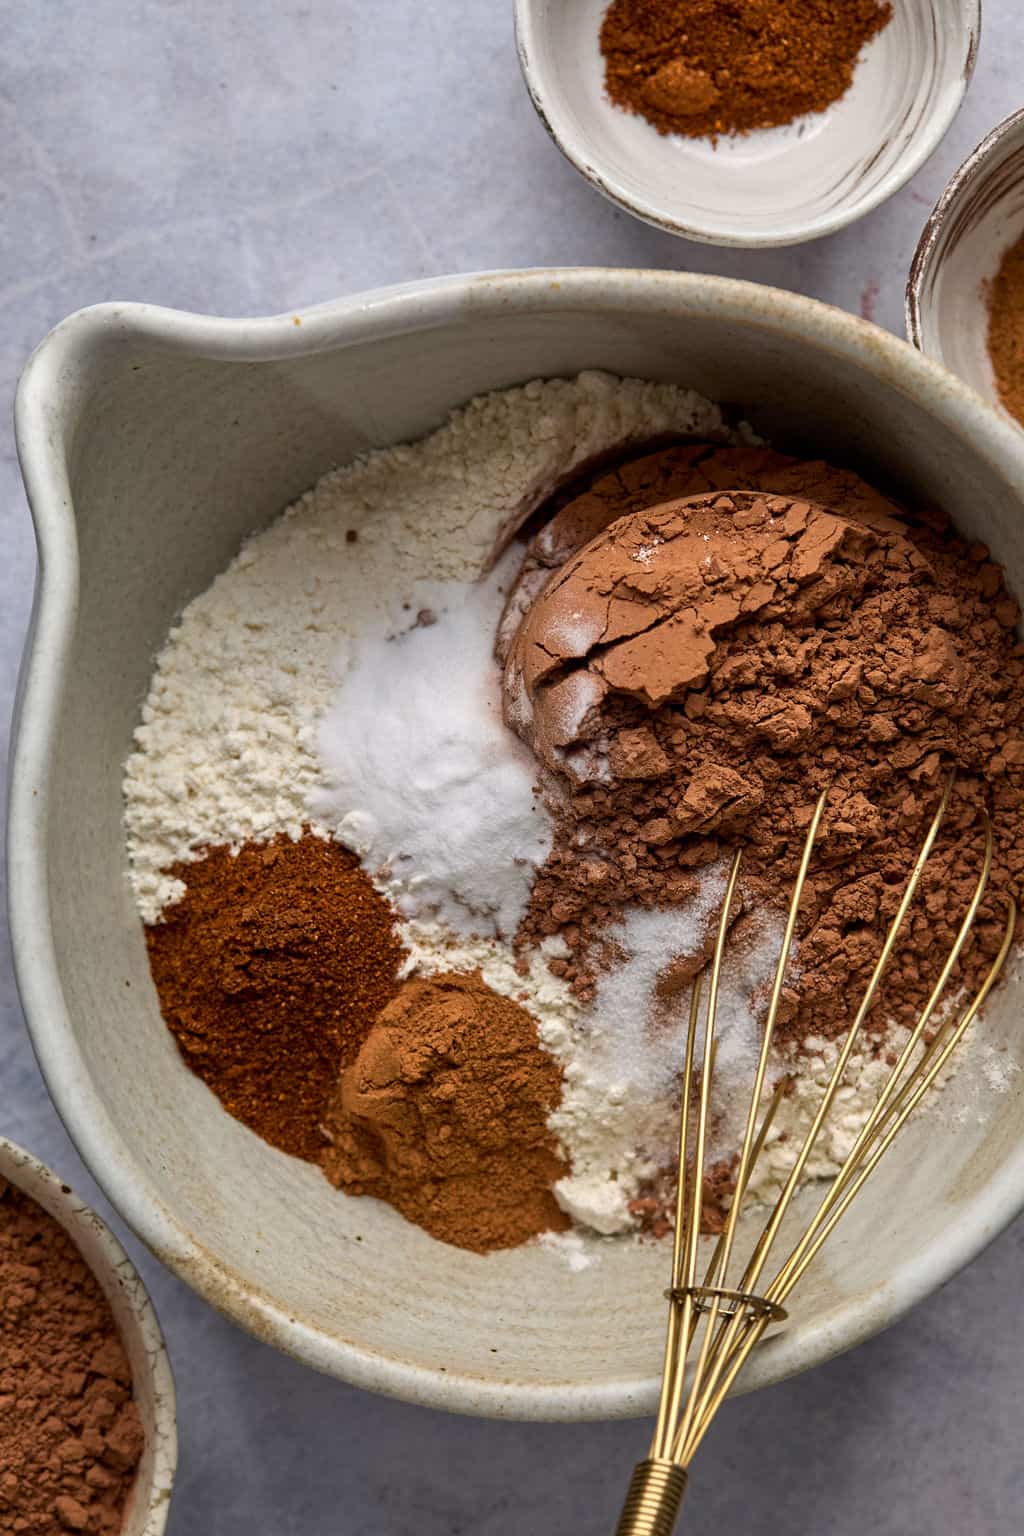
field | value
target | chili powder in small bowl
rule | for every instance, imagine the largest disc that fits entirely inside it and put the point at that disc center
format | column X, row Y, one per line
column 747, row 124
column 87, row 1418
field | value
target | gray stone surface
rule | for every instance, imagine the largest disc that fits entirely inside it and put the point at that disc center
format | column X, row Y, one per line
column 257, row 155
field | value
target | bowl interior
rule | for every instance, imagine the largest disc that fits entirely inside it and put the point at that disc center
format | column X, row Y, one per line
column 771, row 187
column 149, row 1500
column 173, row 458
column 961, row 250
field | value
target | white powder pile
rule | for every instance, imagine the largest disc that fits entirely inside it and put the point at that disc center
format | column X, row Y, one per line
column 423, row 779
column 619, row 1109
column 226, row 751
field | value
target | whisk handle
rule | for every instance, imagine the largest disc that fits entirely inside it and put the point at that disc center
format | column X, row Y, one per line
column 652, row 1503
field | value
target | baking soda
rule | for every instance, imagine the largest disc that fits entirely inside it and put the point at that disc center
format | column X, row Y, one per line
column 420, row 775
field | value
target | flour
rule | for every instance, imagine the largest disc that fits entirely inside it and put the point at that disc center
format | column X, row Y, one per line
column 302, row 690
column 226, row 751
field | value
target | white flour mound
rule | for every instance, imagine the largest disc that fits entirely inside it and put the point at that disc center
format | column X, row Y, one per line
column 226, row 751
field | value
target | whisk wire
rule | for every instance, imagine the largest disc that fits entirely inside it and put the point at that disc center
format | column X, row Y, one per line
column 733, row 1320
column 739, row 1324
column 679, row 1313
column 894, row 1092
column 751, row 1147
column 697, row 1183
column 779, row 1292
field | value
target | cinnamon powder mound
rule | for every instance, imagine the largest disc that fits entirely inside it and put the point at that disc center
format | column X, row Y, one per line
column 1006, row 329
column 270, row 972
column 695, row 676
column 709, row 67
column 444, row 1115
column 70, row 1437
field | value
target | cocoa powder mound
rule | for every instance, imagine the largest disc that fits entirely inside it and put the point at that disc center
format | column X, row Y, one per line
column 270, row 972
column 444, row 1115
column 709, row 67
column 70, row 1437
column 698, row 673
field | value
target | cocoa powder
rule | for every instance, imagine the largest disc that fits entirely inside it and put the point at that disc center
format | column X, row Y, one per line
column 444, row 1115
column 683, row 707
column 70, row 1437
column 709, row 67
column 270, row 972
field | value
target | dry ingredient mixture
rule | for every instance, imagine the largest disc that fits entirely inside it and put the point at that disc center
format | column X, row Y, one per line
column 70, row 1437
column 477, row 1013
column 709, row 67
column 1006, row 329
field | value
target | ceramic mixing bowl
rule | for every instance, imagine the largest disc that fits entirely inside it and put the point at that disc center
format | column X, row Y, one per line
column 977, row 218
column 152, row 443
column 149, row 1501
column 777, row 187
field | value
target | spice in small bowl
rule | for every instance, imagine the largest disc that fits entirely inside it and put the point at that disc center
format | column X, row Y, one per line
column 744, row 123
column 965, row 294
column 87, row 1439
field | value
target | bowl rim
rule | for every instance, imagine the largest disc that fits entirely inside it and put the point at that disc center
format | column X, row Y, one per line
column 975, row 166
column 549, row 110
column 406, row 309
column 114, row 1272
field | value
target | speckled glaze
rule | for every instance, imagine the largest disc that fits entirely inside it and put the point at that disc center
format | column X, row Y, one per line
column 762, row 189
column 978, row 216
column 149, row 1503
column 151, row 443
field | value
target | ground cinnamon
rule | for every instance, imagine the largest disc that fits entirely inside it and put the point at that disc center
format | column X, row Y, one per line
column 270, row 971
column 70, row 1437
column 1006, row 329
column 444, row 1115
column 709, row 67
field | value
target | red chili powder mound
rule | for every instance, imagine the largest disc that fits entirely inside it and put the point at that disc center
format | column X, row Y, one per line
column 70, row 1437
column 270, row 971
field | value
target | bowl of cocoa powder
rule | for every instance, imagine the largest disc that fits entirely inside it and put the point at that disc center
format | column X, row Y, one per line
column 87, row 1425
column 747, row 124
column 965, row 292
column 355, row 959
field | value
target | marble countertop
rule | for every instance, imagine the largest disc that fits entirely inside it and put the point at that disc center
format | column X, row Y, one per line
column 259, row 155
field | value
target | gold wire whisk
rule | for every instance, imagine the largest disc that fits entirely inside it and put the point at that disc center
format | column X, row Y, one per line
column 732, row 1320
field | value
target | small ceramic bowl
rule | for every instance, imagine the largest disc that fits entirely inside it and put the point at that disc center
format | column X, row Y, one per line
column 149, row 1503
column 980, row 214
column 761, row 189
